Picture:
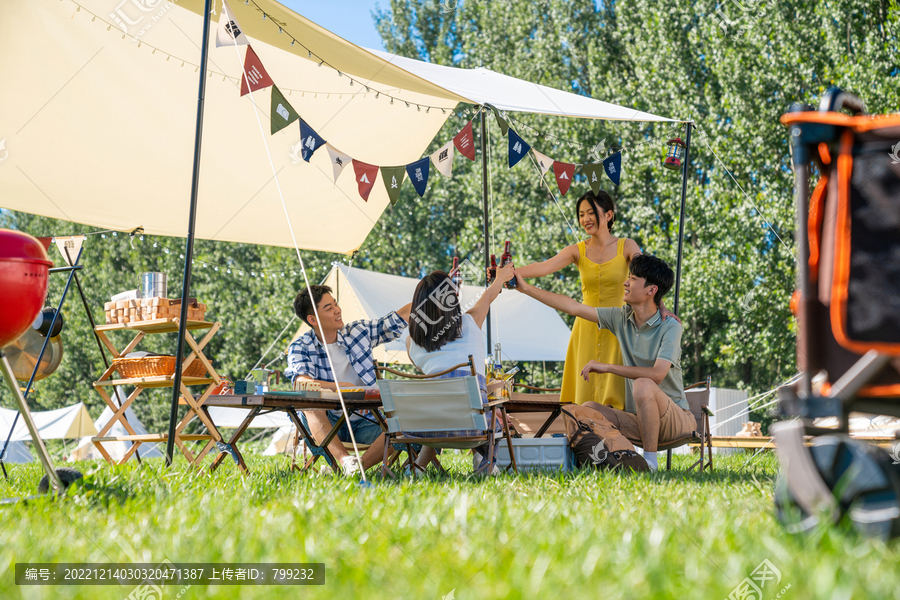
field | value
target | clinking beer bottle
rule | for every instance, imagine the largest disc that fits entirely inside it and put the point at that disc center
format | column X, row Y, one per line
column 492, row 270
column 455, row 275
column 505, row 259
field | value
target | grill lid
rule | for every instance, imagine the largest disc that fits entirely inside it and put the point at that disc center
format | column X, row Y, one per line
column 18, row 246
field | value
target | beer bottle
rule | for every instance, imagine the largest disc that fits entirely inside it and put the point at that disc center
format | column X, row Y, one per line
column 505, row 259
column 492, row 270
column 455, row 275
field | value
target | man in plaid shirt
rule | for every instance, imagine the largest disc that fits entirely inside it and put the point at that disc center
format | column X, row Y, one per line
column 350, row 347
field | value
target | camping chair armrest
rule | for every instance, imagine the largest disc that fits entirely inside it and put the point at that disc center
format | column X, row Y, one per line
column 706, row 382
column 414, row 376
column 536, row 389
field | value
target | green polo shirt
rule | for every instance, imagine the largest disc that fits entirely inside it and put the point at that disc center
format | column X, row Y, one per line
column 657, row 338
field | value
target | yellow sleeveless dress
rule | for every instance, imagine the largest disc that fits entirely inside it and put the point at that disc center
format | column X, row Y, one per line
column 601, row 285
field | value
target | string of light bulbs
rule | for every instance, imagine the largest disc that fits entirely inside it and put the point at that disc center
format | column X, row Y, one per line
column 389, row 93
column 610, row 151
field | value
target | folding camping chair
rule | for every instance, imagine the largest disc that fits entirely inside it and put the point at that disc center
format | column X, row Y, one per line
column 430, row 404
column 410, row 451
column 697, row 395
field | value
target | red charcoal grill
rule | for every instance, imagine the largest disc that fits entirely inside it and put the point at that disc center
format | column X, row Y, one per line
column 24, row 268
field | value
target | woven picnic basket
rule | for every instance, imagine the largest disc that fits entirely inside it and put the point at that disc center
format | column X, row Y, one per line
column 154, row 366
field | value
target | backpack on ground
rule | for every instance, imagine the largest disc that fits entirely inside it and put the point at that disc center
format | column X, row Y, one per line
column 599, row 444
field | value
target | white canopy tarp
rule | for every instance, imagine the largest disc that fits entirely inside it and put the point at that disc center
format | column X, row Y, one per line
column 231, row 418
column 62, row 423
column 525, row 328
column 483, row 86
column 87, row 451
column 99, row 104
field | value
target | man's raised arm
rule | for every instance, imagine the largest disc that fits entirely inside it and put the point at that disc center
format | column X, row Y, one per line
column 557, row 301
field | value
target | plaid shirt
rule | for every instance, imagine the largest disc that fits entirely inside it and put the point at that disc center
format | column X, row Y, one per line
column 307, row 356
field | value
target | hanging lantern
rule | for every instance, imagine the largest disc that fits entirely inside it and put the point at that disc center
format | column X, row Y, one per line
column 674, row 154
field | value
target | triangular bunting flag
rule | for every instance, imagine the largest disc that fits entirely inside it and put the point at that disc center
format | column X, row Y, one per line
column 365, row 177
column 393, row 178
column 282, row 113
column 230, row 33
column 564, row 173
column 339, row 160
column 594, row 174
column 613, row 167
column 69, row 247
column 443, row 159
column 310, row 139
column 465, row 141
column 254, row 74
column 501, row 122
column 518, row 148
column 543, row 161
column 418, row 174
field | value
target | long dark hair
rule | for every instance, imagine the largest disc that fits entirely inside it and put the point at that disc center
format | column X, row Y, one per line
column 603, row 200
column 436, row 317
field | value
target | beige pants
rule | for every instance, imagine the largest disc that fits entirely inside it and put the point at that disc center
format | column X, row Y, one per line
column 674, row 424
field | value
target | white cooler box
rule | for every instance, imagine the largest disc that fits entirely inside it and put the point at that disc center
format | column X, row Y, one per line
column 538, row 453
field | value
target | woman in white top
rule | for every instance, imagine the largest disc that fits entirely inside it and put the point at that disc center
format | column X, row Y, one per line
column 442, row 336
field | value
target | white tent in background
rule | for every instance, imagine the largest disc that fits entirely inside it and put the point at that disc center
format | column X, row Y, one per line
column 283, row 442
column 70, row 422
column 525, row 328
column 16, row 452
column 231, row 418
column 87, row 451
column 116, row 87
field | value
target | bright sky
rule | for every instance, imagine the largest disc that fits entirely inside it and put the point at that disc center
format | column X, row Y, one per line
column 350, row 19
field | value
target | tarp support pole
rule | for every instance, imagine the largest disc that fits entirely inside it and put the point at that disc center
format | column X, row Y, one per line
column 189, row 247
column 684, row 178
column 487, row 245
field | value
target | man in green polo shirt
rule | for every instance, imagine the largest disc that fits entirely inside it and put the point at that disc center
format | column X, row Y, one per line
column 656, row 410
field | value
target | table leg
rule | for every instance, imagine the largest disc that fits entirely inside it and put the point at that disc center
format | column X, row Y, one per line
column 310, row 442
column 548, row 422
column 509, row 444
column 233, row 442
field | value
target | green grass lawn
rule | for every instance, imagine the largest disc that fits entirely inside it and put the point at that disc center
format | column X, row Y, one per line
column 541, row 535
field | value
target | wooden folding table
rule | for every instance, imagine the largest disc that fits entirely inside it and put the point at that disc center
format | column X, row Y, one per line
column 290, row 403
column 196, row 405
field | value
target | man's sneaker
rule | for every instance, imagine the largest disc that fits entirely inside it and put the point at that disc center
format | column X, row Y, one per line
column 351, row 465
column 477, row 459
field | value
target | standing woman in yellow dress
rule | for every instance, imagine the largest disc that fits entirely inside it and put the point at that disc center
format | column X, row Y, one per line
column 602, row 260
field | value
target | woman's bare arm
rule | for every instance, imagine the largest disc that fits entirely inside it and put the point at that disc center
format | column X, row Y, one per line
column 564, row 258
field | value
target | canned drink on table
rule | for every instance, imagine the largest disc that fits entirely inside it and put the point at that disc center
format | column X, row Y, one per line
column 153, row 285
